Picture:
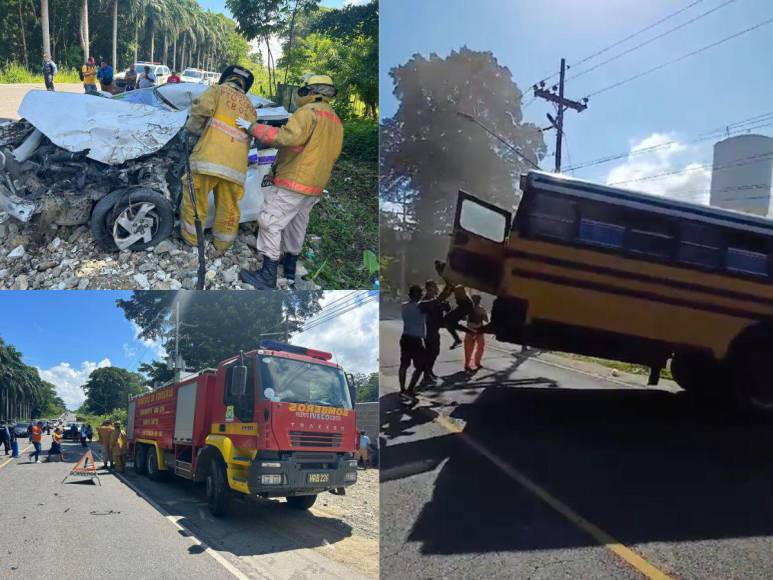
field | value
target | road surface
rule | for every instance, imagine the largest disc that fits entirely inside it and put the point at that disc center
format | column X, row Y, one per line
column 12, row 95
column 134, row 527
column 509, row 476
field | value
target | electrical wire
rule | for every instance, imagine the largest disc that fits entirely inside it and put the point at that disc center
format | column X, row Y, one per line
column 330, row 310
column 730, row 130
column 680, row 58
column 650, row 41
column 624, row 40
column 369, row 298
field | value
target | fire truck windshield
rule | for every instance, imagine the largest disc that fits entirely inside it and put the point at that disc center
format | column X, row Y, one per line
column 287, row 380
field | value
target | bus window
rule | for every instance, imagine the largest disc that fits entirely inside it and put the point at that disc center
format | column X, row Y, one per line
column 601, row 234
column 698, row 255
column 552, row 217
column 650, row 244
column 747, row 262
column 482, row 221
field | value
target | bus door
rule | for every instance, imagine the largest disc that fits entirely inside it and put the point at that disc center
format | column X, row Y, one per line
column 477, row 252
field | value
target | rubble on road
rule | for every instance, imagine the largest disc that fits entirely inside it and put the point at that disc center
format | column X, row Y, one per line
column 67, row 258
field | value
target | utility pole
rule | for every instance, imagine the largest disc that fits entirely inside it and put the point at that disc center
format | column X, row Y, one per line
column 177, row 369
column 563, row 104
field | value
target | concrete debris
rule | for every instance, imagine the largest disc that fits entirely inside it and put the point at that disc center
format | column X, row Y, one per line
column 46, row 258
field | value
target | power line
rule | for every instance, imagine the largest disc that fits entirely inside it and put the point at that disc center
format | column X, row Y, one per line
column 370, row 298
column 624, row 40
column 331, row 310
column 730, row 129
column 680, row 58
column 650, row 41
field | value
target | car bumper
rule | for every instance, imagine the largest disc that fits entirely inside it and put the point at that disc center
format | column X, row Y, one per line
column 302, row 473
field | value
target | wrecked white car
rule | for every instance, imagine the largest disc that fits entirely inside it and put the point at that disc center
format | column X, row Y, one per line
column 115, row 164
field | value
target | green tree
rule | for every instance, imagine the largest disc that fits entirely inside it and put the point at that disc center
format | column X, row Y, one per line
column 367, row 387
column 109, row 388
column 216, row 324
column 429, row 152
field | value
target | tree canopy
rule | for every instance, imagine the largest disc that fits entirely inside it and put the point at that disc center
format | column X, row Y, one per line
column 23, row 394
column 109, row 388
column 216, row 324
column 367, row 387
column 429, row 152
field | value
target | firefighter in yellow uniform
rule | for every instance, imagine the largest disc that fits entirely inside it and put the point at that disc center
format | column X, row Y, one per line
column 118, row 447
column 105, row 438
column 309, row 145
column 219, row 160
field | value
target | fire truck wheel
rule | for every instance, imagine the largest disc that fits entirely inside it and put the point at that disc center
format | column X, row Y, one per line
column 218, row 494
column 154, row 472
column 301, row 502
column 139, row 459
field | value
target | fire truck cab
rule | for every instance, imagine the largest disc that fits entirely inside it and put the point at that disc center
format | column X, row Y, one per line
column 277, row 421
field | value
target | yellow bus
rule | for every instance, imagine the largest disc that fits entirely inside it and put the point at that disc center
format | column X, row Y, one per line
column 606, row 272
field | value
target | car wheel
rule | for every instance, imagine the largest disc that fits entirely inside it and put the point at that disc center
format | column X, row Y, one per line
column 139, row 459
column 301, row 502
column 131, row 219
column 218, row 493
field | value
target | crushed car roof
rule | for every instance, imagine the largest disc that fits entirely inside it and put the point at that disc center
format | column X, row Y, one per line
column 110, row 130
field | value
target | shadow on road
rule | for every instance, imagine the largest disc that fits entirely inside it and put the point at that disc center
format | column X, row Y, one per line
column 644, row 466
column 252, row 527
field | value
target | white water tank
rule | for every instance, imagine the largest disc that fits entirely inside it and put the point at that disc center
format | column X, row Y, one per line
column 742, row 174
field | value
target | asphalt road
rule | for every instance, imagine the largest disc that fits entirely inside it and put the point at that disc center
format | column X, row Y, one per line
column 11, row 95
column 538, row 469
column 134, row 527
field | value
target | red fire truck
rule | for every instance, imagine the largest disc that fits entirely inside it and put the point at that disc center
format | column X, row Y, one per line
column 277, row 421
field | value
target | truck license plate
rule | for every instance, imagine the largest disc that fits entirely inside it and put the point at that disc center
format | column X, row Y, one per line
column 318, row 478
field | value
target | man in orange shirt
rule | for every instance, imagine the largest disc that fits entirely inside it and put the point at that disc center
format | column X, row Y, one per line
column 36, row 433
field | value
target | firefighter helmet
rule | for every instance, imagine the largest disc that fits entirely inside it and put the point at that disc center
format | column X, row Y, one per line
column 242, row 75
column 320, row 84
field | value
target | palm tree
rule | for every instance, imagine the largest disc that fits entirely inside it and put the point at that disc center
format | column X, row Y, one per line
column 44, row 25
column 84, row 28
column 137, row 14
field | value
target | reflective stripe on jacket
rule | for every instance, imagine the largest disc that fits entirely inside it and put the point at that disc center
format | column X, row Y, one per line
column 223, row 147
column 309, row 145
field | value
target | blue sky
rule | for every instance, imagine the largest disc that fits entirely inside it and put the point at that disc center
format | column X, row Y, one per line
column 730, row 82
column 68, row 334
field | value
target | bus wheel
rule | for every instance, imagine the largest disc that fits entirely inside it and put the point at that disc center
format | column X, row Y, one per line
column 301, row 502
column 701, row 377
column 753, row 381
column 139, row 459
column 218, row 494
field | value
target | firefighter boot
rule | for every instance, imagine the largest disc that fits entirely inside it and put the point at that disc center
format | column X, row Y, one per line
column 288, row 265
column 263, row 279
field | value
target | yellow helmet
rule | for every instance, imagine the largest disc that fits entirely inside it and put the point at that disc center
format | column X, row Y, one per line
column 316, row 87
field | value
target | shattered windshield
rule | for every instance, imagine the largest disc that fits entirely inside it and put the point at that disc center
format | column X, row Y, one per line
column 287, row 380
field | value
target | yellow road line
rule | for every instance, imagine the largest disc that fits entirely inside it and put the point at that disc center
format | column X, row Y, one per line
column 7, row 461
column 603, row 538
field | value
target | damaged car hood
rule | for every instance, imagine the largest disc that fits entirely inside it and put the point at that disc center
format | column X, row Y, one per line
column 112, row 131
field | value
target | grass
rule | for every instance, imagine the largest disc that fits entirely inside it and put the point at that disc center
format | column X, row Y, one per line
column 621, row 366
column 15, row 73
column 96, row 420
column 346, row 219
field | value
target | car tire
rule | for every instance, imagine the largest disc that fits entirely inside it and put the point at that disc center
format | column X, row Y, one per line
column 216, row 484
column 140, row 460
column 301, row 502
column 122, row 203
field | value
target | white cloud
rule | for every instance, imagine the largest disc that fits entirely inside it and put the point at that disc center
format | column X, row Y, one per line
column 356, row 2
column 691, row 183
column 68, row 380
column 128, row 351
column 352, row 337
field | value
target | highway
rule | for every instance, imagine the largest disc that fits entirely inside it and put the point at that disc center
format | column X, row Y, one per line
column 544, row 467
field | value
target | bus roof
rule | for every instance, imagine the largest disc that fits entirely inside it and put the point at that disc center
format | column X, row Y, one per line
column 573, row 187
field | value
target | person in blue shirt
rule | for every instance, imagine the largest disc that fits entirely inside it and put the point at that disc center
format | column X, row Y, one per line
column 105, row 76
column 362, row 452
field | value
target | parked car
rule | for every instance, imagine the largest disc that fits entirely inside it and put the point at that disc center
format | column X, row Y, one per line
column 193, row 75
column 72, row 431
column 20, row 429
column 160, row 71
column 124, row 180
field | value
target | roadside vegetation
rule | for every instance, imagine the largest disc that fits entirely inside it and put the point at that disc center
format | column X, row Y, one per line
column 621, row 366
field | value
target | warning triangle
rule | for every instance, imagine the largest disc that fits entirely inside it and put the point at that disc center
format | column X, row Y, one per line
column 85, row 467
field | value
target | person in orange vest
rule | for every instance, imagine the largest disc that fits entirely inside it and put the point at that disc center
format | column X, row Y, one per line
column 309, row 145
column 105, row 437
column 36, row 434
column 219, row 159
